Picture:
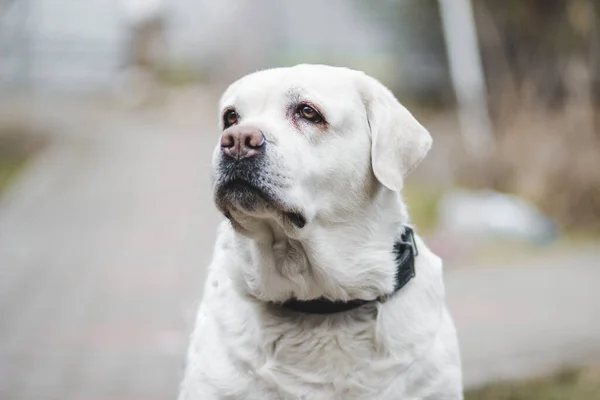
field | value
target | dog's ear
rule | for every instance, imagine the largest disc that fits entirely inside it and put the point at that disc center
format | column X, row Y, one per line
column 398, row 141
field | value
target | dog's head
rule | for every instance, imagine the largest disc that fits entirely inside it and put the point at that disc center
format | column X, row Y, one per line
column 310, row 144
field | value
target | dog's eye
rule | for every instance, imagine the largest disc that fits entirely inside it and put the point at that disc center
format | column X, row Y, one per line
column 230, row 118
column 309, row 113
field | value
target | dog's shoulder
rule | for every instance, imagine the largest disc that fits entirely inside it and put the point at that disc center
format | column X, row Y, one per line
column 222, row 340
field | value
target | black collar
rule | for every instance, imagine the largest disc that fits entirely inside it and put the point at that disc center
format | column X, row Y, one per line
column 405, row 251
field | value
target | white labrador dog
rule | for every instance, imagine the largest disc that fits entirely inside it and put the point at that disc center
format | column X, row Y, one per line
column 317, row 289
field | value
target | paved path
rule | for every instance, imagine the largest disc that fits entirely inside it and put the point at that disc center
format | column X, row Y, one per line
column 529, row 317
column 103, row 246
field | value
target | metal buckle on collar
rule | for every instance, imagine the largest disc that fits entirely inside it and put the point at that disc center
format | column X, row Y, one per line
column 383, row 298
column 410, row 235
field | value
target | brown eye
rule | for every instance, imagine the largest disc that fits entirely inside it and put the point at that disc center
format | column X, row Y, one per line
column 309, row 113
column 230, row 118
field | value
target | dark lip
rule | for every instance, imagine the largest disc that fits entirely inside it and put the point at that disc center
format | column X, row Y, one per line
column 237, row 183
column 230, row 187
column 294, row 217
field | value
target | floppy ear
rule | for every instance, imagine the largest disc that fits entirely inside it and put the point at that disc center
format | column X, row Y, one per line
column 398, row 141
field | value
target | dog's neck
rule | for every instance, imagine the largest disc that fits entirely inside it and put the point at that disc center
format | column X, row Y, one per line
column 350, row 259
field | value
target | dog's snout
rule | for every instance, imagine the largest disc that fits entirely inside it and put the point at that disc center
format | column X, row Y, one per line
column 242, row 142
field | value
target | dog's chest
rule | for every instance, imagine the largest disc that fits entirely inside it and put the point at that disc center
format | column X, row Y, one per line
column 333, row 358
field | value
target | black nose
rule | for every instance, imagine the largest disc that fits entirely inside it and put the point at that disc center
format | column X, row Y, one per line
column 242, row 142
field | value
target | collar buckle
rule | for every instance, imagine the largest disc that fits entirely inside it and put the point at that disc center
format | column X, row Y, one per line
column 409, row 238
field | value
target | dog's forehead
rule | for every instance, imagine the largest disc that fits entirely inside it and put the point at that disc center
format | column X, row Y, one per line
column 318, row 82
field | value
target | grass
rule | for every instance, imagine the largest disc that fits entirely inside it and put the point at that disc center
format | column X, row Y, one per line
column 16, row 147
column 422, row 202
column 573, row 384
column 9, row 170
column 181, row 75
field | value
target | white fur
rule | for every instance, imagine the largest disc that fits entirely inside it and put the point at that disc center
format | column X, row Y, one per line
column 243, row 347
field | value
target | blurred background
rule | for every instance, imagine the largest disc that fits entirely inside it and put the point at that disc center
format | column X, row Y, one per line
column 108, row 112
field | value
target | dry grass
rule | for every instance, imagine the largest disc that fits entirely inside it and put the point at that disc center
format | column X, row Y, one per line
column 16, row 146
column 582, row 384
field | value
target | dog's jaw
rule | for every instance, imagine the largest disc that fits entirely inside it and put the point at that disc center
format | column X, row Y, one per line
column 356, row 262
column 248, row 199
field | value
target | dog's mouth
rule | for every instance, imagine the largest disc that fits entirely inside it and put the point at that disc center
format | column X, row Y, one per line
column 245, row 187
column 249, row 196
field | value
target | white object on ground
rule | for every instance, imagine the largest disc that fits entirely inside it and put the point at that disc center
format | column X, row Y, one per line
column 490, row 213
